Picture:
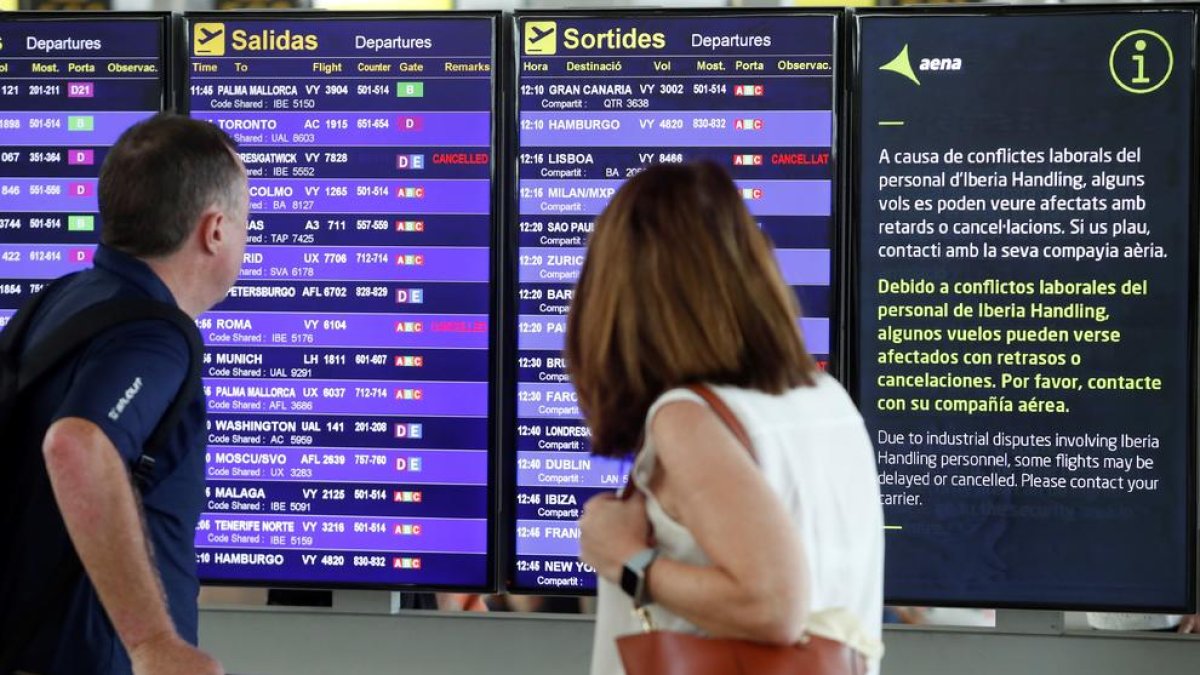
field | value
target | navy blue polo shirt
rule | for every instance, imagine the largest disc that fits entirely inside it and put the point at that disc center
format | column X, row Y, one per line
column 123, row 382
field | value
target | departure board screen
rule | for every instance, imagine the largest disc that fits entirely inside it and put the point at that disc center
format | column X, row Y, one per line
column 69, row 86
column 1026, row 289
column 600, row 98
column 348, row 371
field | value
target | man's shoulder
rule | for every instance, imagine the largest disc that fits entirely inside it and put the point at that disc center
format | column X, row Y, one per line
column 74, row 295
column 93, row 287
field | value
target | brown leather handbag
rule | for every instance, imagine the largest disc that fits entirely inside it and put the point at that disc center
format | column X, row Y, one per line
column 664, row 652
column 658, row 652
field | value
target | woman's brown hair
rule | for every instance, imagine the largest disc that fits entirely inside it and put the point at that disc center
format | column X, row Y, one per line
column 679, row 286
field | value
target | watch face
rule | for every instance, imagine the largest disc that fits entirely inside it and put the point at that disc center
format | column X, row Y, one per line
column 629, row 581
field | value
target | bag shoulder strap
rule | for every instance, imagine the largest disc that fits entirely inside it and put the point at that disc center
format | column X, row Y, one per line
column 18, row 325
column 722, row 411
column 725, row 414
column 89, row 323
column 95, row 320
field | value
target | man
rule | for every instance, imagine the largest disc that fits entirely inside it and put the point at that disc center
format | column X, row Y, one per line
column 173, row 203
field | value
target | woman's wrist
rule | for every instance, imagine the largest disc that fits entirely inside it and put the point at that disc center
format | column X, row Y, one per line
column 616, row 564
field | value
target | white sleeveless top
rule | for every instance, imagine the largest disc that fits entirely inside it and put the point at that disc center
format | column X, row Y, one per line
column 817, row 457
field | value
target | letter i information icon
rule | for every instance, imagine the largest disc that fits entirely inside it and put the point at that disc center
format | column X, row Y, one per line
column 1141, row 61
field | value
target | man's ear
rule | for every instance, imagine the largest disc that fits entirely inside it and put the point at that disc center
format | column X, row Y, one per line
column 210, row 231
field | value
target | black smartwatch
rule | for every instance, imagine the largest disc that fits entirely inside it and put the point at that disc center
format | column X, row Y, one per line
column 633, row 576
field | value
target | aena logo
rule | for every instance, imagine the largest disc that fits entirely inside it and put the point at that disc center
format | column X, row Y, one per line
column 902, row 65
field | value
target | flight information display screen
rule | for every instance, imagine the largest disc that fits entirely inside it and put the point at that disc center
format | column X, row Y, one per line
column 599, row 99
column 69, row 86
column 347, row 373
column 1026, row 304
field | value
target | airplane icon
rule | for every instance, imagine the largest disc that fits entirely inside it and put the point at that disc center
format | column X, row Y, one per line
column 540, row 38
column 209, row 39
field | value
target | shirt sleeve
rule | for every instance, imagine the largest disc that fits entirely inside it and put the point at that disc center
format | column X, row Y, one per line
column 125, row 382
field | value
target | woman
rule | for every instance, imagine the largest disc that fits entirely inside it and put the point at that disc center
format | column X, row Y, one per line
column 680, row 287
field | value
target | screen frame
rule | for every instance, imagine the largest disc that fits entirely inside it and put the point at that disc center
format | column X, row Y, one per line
column 853, row 250
column 495, row 259
column 838, row 226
